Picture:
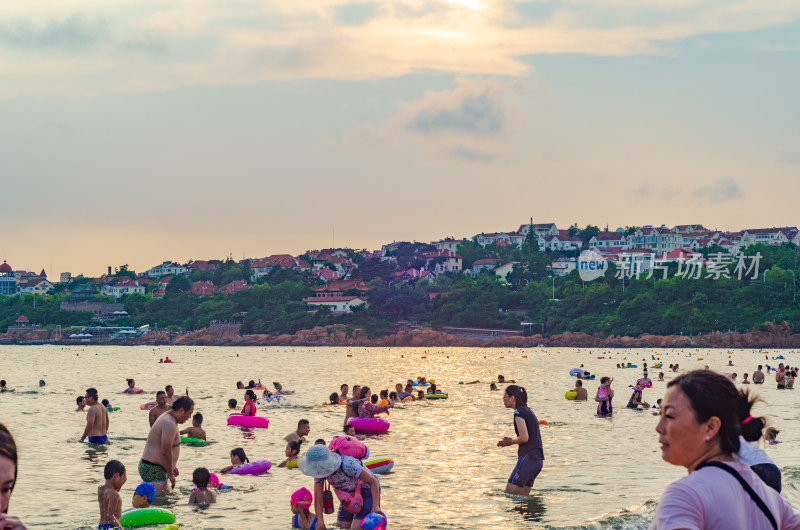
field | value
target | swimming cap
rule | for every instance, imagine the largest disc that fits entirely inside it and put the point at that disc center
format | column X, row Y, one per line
column 145, row 489
column 302, row 498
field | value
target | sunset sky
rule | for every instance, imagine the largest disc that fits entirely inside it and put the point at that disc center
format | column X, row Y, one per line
column 142, row 131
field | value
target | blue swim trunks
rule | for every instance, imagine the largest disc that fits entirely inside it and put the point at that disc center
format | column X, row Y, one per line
column 98, row 440
column 105, row 526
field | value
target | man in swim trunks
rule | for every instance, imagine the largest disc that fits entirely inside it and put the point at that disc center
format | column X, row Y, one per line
column 160, row 408
column 758, row 376
column 162, row 449
column 96, row 419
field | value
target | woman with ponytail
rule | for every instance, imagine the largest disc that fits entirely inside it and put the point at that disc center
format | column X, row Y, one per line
column 749, row 452
column 530, row 456
column 702, row 417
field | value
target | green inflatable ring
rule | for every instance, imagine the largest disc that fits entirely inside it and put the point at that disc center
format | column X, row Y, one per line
column 146, row 516
column 112, row 409
column 194, row 441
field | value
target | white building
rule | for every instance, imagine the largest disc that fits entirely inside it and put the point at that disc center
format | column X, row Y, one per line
column 337, row 304
column 166, row 268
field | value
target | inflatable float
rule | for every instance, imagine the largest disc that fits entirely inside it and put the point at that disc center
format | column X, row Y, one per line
column 248, row 421
column 369, row 424
column 435, row 396
column 576, row 371
column 197, row 442
column 146, row 406
column 272, row 400
column 571, row 395
column 252, row 468
column 380, row 465
column 146, row 516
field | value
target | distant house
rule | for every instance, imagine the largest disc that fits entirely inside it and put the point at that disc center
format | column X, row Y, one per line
column 263, row 266
column 442, row 261
column 503, row 270
column 337, row 288
column 608, row 240
column 539, row 229
column 327, row 274
column 560, row 243
column 204, row 288
column 412, row 275
column 337, row 304
column 201, row 265
column 234, row 287
column 168, row 267
column 122, row 288
column 36, row 286
column 482, row 265
column 769, row 236
column 492, row 238
column 563, row 266
column 448, row 244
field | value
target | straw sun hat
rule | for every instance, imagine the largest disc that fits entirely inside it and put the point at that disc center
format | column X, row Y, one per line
column 319, row 462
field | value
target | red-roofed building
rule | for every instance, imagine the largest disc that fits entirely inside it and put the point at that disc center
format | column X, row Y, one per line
column 204, row 288
column 201, row 265
column 338, row 287
column 560, row 243
column 234, row 287
column 36, row 286
column 337, row 304
column 412, row 275
column 609, row 240
column 22, row 319
column 441, row 261
column 327, row 274
column 159, row 293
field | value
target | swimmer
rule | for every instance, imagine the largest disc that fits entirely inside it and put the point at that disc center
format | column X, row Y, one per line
column 81, row 401
column 107, row 404
column 333, row 399
column 108, row 495
column 493, row 386
column 249, row 407
column 96, row 419
column 41, row 382
column 3, row 386
column 196, row 430
column 232, row 404
column 350, row 431
column 343, row 396
column 582, row 395
column 320, row 441
column 144, row 495
column 131, row 388
column 238, row 458
column 292, row 450
column 279, row 389
column 159, row 460
column 160, row 408
column 657, row 412
column 421, row 394
column 502, row 380
column 744, row 380
column 251, row 384
column 771, row 434
column 239, row 385
column 202, row 495
column 661, row 376
column 171, row 397
column 299, row 435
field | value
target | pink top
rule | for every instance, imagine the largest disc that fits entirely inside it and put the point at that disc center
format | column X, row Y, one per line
column 252, row 408
column 712, row 499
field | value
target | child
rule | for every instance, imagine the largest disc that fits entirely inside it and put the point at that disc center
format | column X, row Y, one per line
column 144, row 495
column 232, row 404
column 349, row 430
column 661, row 376
column 292, row 450
column 772, row 435
column 195, row 431
column 320, row 441
column 300, row 503
column 420, row 394
column 745, row 381
column 238, row 458
column 657, row 406
column 493, row 386
column 108, row 495
column 107, row 405
column 333, row 399
column 202, row 495
column 393, row 398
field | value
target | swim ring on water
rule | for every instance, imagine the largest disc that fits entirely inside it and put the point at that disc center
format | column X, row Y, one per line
column 291, row 464
column 147, row 406
column 146, row 516
column 417, row 383
column 571, row 395
column 576, row 371
column 436, row 396
column 380, row 465
column 188, row 440
column 272, row 400
column 248, row 421
column 252, row 468
column 112, row 409
column 369, row 424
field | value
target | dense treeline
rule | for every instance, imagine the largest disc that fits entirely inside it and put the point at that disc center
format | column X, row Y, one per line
column 643, row 305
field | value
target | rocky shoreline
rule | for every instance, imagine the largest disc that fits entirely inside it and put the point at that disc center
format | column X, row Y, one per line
column 775, row 336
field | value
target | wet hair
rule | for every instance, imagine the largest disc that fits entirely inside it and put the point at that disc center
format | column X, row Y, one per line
column 500, row 378
column 183, row 403
column 409, row 388
column 319, row 441
column 113, row 467
column 251, row 395
column 129, row 381
column 759, row 367
column 105, row 402
column 334, row 397
column 713, row 395
column 8, row 449
column 295, row 446
column 239, row 452
column 92, row 393
column 251, row 383
column 302, row 423
column 276, row 384
column 347, row 428
column 374, row 398
column 2, row 382
column 168, row 388
column 578, row 383
column 239, row 384
column 79, row 399
column 365, row 392
column 160, row 393
column 519, row 394
column 232, row 403
column 198, row 418
column 200, row 477
column 433, row 388
column 420, row 393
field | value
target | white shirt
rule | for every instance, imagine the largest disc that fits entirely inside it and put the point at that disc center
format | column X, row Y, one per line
column 751, row 454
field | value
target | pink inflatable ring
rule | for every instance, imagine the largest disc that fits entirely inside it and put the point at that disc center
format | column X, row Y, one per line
column 248, row 421
column 369, row 424
column 252, row 468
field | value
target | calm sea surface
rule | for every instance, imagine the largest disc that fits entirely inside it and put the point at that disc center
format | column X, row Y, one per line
column 598, row 472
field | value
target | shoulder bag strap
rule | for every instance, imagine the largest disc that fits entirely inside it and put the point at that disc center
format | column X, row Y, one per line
column 747, row 488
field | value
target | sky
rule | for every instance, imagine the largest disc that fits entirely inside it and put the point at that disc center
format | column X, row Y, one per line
column 134, row 132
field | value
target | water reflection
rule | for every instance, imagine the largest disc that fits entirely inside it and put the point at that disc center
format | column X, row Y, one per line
column 531, row 508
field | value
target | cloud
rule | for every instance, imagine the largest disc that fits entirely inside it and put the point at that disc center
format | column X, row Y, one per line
column 216, row 42
column 479, row 113
column 72, row 33
column 722, row 190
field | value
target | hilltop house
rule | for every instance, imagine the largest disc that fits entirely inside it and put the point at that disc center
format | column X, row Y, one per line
column 168, row 267
column 332, row 295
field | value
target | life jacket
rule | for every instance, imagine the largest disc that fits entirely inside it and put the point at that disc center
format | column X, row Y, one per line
column 349, row 446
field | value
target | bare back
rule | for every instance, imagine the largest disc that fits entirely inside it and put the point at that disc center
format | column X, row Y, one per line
column 97, row 420
column 110, row 505
column 155, row 412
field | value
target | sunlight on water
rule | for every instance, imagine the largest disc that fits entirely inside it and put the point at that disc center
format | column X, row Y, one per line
column 598, row 473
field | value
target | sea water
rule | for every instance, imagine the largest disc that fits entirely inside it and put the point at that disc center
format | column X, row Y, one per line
column 448, row 472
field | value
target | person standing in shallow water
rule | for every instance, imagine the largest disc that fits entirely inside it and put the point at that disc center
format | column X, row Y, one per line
column 530, row 455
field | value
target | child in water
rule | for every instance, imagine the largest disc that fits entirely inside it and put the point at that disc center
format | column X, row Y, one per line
column 238, row 458
column 300, row 503
column 292, row 451
column 108, row 495
column 144, row 495
column 279, row 389
column 349, row 430
column 202, row 495
column 232, row 404
column 420, row 394
column 333, row 398
column 195, row 431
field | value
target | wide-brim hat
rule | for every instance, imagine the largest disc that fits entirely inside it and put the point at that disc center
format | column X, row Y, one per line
column 319, row 462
